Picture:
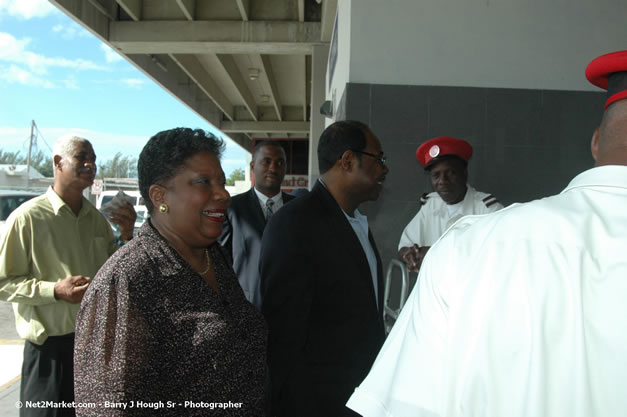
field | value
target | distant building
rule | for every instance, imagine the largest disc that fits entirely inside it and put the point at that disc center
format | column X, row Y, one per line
column 14, row 177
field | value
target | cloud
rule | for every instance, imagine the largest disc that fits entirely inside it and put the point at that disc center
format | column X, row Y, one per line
column 71, row 82
column 133, row 82
column 26, row 9
column 29, row 68
column 15, row 50
column 110, row 54
column 10, row 46
column 15, row 75
column 136, row 83
column 70, row 31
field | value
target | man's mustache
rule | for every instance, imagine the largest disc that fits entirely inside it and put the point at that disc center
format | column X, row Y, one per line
column 87, row 169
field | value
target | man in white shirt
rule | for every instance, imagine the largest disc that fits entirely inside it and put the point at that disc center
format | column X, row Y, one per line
column 530, row 321
column 446, row 160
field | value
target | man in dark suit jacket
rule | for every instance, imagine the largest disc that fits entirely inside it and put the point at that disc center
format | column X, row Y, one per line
column 246, row 217
column 321, row 280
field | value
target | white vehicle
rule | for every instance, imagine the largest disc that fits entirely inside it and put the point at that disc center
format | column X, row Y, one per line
column 106, row 196
column 9, row 201
column 142, row 216
column 138, row 204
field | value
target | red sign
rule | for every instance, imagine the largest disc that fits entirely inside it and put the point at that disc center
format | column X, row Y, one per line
column 291, row 182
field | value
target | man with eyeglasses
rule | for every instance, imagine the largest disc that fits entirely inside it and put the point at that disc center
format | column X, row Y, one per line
column 321, row 280
column 446, row 161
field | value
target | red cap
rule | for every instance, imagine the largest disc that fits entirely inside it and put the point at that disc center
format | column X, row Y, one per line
column 431, row 150
column 609, row 72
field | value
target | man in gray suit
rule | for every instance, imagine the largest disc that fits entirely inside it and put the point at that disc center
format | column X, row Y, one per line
column 249, row 212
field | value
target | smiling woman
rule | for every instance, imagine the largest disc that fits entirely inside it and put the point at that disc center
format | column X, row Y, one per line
column 165, row 318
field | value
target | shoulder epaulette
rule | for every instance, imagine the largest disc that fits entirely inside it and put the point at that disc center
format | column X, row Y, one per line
column 490, row 200
column 423, row 199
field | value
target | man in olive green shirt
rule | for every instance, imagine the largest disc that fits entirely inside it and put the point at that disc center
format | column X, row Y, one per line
column 53, row 245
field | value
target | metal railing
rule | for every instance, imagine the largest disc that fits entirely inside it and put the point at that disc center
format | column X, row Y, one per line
column 389, row 312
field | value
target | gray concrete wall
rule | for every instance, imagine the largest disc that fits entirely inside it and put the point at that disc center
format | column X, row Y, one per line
column 481, row 43
column 528, row 144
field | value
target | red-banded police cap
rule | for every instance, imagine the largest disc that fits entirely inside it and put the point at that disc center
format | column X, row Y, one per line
column 609, row 72
column 433, row 149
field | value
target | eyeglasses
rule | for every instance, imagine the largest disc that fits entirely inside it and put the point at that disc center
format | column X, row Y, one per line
column 380, row 158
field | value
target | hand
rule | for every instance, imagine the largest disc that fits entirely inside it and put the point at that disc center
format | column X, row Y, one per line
column 124, row 216
column 413, row 256
column 71, row 289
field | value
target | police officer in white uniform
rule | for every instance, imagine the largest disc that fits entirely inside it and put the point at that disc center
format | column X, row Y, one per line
column 446, row 160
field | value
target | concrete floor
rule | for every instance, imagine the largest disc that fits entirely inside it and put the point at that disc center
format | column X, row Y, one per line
column 11, row 348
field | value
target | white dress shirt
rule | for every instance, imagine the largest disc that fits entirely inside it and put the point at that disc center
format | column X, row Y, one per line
column 359, row 223
column 520, row 313
column 278, row 202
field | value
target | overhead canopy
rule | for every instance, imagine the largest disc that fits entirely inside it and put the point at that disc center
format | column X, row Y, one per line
column 242, row 65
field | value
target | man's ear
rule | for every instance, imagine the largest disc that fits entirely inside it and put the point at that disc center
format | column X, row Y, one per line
column 57, row 161
column 347, row 160
column 156, row 193
column 594, row 144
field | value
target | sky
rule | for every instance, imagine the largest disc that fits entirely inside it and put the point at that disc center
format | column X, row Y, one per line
column 58, row 74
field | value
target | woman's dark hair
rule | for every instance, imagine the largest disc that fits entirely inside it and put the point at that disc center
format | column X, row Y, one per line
column 338, row 138
column 166, row 152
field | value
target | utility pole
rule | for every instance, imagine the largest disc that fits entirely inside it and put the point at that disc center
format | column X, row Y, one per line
column 30, row 148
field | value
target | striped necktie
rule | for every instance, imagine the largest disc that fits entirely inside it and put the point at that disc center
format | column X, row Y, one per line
column 269, row 212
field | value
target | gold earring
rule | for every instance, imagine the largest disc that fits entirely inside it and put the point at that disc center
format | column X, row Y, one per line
column 163, row 208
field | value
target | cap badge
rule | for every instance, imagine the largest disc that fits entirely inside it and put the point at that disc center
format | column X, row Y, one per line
column 434, row 151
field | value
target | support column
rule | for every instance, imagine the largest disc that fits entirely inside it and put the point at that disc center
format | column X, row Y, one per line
column 319, row 59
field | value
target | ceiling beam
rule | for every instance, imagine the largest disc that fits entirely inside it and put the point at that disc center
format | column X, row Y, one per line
column 267, row 72
column 229, row 65
column 244, row 8
column 177, row 83
column 194, row 70
column 221, row 37
column 264, row 127
column 329, row 9
column 242, row 140
column 187, row 7
column 133, row 8
column 108, row 10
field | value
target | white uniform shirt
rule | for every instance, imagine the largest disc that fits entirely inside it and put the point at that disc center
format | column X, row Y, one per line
column 520, row 313
column 433, row 218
